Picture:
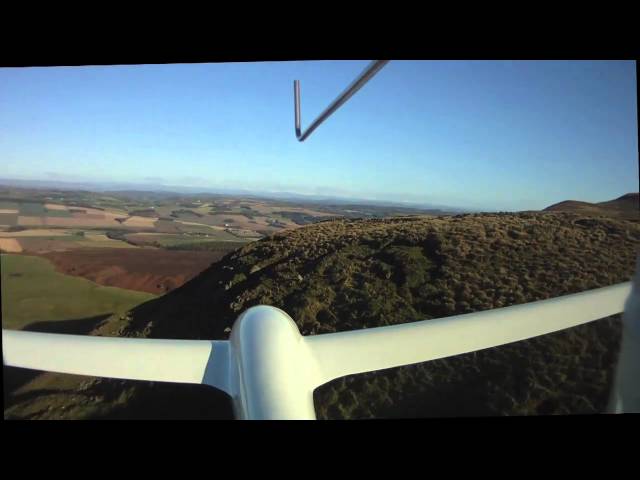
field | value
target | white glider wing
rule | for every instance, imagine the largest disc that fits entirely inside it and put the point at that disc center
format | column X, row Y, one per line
column 180, row 361
column 347, row 353
column 270, row 370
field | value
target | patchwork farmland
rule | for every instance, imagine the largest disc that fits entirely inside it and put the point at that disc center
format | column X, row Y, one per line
column 147, row 241
column 137, row 241
column 34, row 293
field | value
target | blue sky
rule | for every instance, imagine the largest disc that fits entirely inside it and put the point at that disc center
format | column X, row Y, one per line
column 488, row 135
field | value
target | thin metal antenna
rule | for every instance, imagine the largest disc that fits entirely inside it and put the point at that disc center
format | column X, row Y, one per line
column 368, row 73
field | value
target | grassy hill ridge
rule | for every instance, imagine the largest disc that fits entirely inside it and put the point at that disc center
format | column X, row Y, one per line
column 626, row 206
column 349, row 274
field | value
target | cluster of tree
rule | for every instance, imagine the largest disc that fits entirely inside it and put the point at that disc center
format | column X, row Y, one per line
column 177, row 213
column 147, row 212
column 120, row 235
column 298, row 217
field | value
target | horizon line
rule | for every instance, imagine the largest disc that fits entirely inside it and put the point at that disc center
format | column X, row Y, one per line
column 109, row 185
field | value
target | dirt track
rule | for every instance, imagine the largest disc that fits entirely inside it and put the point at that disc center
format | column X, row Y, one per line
column 145, row 270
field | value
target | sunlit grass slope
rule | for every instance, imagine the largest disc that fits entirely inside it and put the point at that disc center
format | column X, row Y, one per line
column 32, row 291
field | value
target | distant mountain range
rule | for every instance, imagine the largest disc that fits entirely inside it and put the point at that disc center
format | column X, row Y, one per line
column 147, row 189
column 626, row 206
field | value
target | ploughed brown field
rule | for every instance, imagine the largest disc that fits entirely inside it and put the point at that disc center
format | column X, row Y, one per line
column 146, row 270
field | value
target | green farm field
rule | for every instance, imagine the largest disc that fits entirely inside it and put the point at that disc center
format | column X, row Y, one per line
column 9, row 205
column 32, row 208
column 33, row 292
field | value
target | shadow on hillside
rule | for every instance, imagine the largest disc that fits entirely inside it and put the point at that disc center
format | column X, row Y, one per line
column 172, row 401
column 14, row 378
column 80, row 326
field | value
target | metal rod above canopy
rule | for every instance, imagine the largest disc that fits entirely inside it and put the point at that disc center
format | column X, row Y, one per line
column 368, row 73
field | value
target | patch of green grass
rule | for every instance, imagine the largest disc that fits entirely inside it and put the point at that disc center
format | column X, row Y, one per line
column 166, row 226
column 32, row 291
column 8, row 205
column 158, row 240
column 32, row 209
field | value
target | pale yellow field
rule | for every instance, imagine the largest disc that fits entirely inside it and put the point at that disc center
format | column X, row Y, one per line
column 98, row 237
column 7, row 210
column 204, row 209
column 36, row 232
column 54, row 206
column 26, row 220
column 147, row 234
column 140, row 222
column 76, row 222
column 88, row 210
column 198, row 224
column 10, row 245
column 112, row 215
column 117, row 212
